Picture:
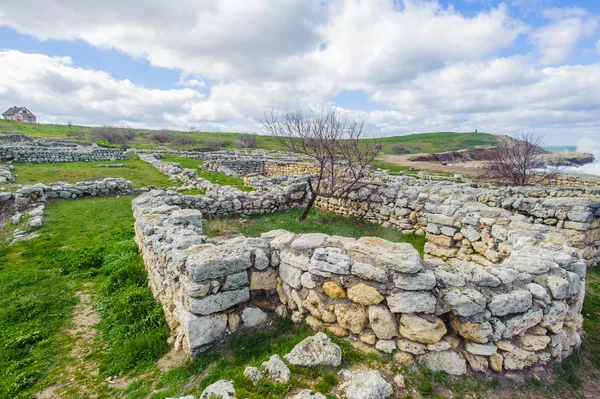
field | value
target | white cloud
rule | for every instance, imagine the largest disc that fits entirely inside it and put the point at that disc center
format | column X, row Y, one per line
column 569, row 26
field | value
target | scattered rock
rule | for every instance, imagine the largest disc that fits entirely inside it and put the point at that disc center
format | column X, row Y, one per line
column 253, row 374
column 276, row 370
column 366, row 385
column 222, row 389
column 317, row 350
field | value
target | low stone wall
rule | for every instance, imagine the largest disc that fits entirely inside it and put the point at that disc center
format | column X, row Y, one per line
column 509, row 315
column 20, row 148
column 28, row 195
column 460, row 225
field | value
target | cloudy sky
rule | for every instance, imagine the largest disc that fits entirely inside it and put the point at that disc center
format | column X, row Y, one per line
column 404, row 66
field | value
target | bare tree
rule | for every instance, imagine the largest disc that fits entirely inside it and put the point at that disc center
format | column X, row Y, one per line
column 522, row 162
column 335, row 144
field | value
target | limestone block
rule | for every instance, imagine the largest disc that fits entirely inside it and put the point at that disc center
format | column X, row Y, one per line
column 411, row 302
column 422, row 330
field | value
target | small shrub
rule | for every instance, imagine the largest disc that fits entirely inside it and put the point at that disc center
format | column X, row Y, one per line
column 246, row 141
column 400, row 149
column 162, row 136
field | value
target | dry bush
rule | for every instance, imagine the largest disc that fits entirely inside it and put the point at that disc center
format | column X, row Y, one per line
column 184, row 139
column 112, row 134
column 161, row 136
column 246, row 141
column 400, row 149
column 216, row 144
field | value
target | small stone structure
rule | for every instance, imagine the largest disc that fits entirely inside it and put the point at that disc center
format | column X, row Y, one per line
column 444, row 311
column 21, row 148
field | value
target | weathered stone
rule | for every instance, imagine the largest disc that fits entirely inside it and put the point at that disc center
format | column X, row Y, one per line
column 297, row 261
column 317, row 350
column 290, row 275
column 309, row 241
column 218, row 302
column 366, row 385
column 364, row 294
column 399, row 257
column 411, row 302
column 352, row 316
column 218, row 261
column 415, row 348
column 329, row 260
column 477, row 332
column 318, row 308
column 517, row 324
column 421, row 330
column 477, row 363
column 403, row 358
column 201, row 331
column 337, row 330
column 534, row 343
column 368, row 337
column 219, row 390
column 276, row 370
column 496, row 361
column 252, row 317
column 518, row 359
column 386, row 345
column 333, row 290
column 253, row 374
column 481, row 349
column 513, row 302
column 263, row 280
column 449, row 362
column 369, row 272
column 415, row 282
column 383, row 322
column 464, row 302
column 558, row 286
column 307, row 394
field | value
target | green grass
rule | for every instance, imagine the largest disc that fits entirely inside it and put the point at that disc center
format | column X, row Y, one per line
column 316, row 222
column 140, row 173
column 214, row 177
column 420, row 142
column 84, row 243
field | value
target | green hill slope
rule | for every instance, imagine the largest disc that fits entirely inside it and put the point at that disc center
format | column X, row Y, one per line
column 416, row 143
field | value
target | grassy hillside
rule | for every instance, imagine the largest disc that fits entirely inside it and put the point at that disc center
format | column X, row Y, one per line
column 438, row 142
column 416, row 143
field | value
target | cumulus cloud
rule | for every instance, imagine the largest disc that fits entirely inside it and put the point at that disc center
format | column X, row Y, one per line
column 430, row 66
column 569, row 26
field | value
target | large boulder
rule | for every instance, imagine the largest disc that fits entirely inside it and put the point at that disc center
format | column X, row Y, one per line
column 317, row 350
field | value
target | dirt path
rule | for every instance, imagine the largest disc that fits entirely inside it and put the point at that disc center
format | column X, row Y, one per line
column 404, row 160
column 80, row 374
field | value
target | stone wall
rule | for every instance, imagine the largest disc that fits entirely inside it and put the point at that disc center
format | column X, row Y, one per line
column 505, row 315
column 19, row 149
column 281, row 168
column 460, row 219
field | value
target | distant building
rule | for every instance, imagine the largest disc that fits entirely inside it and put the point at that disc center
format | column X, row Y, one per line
column 19, row 114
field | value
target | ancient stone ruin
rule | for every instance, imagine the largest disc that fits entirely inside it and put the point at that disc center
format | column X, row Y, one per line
column 501, row 286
